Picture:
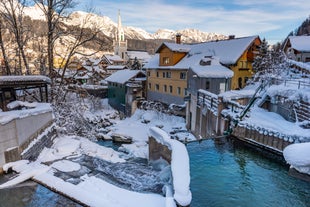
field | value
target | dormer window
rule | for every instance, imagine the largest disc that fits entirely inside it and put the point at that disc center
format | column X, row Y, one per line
column 205, row 62
column 166, row 60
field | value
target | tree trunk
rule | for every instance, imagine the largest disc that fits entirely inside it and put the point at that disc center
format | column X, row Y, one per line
column 50, row 37
column 6, row 63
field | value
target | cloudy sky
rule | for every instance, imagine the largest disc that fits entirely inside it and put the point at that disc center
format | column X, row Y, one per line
column 271, row 19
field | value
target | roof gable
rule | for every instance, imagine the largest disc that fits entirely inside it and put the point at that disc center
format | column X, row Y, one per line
column 174, row 47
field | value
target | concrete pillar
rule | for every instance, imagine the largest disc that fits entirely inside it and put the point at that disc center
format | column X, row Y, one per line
column 219, row 122
column 12, row 154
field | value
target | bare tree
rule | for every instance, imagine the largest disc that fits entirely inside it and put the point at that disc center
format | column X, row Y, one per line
column 80, row 37
column 54, row 10
column 12, row 14
column 5, row 58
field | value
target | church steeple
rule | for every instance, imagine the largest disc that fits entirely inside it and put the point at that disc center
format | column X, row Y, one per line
column 120, row 44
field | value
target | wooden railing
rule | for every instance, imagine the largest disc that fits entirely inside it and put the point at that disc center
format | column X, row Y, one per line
column 209, row 100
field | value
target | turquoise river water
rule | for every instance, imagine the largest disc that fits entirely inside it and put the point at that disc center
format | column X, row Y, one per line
column 223, row 174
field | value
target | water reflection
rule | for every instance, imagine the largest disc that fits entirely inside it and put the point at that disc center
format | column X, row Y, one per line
column 225, row 174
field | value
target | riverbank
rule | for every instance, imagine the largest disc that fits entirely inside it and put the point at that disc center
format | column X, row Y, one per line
column 223, row 173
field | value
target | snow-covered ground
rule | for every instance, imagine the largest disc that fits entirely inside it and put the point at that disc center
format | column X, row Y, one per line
column 65, row 155
column 137, row 127
column 270, row 123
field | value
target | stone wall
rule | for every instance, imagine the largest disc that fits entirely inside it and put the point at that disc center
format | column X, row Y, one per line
column 158, row 151
column 45, row 140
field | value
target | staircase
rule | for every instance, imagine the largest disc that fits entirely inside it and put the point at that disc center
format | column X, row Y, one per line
column 246, row 109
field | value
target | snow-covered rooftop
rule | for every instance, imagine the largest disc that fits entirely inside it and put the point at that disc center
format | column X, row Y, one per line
column 24, row 79
column 228, row 52
column 300, row 43
column 141, row 55
column 113, row 58
column 122, row 76
column 214, row 70
column 116, row 67
column 175, row 47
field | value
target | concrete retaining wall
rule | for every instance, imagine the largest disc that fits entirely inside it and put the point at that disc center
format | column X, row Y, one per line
column 16, row 135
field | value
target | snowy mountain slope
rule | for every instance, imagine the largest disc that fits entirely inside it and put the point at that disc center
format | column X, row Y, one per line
column 108, row 27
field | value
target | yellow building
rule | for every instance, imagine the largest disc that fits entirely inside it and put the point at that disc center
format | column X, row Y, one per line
column 166, row 82
column 167, row 75
column 243, row 69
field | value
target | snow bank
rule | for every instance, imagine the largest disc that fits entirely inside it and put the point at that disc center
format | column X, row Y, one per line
column 298, row 156
column 292, row 90
column 66, row 166
column 40, row 108
column 15, row 104
column 73, row 146
column 27, row 170
column 179, row 165
column 271, row 123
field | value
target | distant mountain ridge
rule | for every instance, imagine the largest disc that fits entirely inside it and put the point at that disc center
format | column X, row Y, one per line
column 108, row 27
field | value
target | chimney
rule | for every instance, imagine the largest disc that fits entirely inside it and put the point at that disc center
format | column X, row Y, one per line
column 230, row 37
column 178, row 38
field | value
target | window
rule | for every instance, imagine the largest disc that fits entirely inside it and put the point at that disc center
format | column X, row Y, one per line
column 205, row 62
column 179, row 90
column 166, row 60
column 207, row 85
column 168, row 74
column 150, row 86
column 157, row 74
column 164, row 74
column 165, row 88
column 185, row 91
column 156, row 87
column 170, row 89
column 240, row 82
column 222, row 87
column 183, row 75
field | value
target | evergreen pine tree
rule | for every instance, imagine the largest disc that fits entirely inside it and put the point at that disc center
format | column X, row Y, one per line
column 260, row 63
column 136, row 64
column 269, row 63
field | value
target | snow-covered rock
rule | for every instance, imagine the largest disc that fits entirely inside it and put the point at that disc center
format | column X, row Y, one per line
column 298, row 156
